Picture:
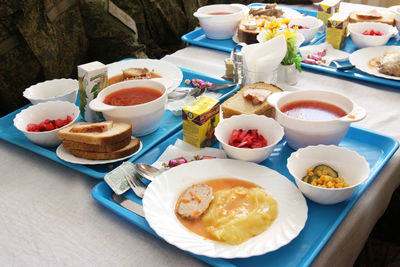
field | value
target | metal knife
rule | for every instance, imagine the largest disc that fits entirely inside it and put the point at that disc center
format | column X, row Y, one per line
column 129, row 204
column 216, row 87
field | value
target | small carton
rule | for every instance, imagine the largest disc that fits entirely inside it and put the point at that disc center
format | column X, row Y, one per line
column 326, row 9
column 92, row 79
column 336, row 32
column 199, row 121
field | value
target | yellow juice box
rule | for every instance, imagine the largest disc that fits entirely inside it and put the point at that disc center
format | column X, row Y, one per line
column 92, row 79
column 199, row 121
column 336, row 32
column 326, row 9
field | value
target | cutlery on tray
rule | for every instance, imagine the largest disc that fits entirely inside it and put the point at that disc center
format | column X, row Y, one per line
column 128, row 204
column 182, row 92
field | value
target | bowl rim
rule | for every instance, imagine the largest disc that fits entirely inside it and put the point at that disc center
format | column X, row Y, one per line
column 318, row 21
column 28, row 90
column 46, row 103
column 387, row 26
column 327, row 147
column 261, row 117
column 103, row 93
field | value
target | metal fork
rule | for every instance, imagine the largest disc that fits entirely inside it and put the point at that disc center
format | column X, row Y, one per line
column 138, row 187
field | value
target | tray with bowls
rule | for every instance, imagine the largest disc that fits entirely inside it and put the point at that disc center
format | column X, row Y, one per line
column 170, row 123
column 303, row 246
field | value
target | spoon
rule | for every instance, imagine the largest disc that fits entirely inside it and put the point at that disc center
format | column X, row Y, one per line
column 147, row 171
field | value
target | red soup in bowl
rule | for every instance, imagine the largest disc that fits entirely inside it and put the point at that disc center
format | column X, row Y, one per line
column 313, row 110
column 132, row 96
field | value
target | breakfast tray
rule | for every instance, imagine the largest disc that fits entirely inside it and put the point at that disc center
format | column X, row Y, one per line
column 197, row 37
column 170, row 124
column 322, row 220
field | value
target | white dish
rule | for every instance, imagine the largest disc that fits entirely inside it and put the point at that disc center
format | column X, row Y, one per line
column 172, row 75
column 331, row 53
column 64, row 154
column 360, row 59
column 161, row 196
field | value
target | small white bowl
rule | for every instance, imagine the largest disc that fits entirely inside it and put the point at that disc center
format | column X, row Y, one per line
column 349, row 165
column 361, row 41
column 51, row 110
column 269, row 128
column 220, row 26
column 313, row 24
column 396, row 11
column 144, row 118
column 53, row 90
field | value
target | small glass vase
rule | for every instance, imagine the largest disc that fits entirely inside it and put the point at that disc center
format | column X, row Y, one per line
column 288, row 74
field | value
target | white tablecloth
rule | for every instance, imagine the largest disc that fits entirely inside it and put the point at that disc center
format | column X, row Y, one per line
column 48, row 217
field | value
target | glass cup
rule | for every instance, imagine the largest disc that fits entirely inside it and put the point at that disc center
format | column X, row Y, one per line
column 250, row 77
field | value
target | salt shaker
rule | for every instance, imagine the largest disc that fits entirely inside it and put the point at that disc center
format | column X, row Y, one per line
column 238, row 64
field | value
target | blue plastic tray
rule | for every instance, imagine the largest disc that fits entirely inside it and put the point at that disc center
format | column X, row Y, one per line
column 197, row 37
column 170, row 124
column 322, row 220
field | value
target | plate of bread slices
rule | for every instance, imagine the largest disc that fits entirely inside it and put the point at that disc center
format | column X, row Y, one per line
column 97, row 143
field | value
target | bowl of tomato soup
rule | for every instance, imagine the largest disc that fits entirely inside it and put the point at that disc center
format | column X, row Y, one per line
column 314, row 117
column 138, row 102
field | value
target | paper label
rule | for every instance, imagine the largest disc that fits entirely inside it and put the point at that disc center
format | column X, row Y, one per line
column 116, row 178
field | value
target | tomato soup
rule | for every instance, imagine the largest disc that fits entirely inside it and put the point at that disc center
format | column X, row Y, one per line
column 312, row 110
column 132, row 96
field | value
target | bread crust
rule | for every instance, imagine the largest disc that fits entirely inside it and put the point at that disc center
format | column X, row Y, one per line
column 68, row 144
column 387, row 18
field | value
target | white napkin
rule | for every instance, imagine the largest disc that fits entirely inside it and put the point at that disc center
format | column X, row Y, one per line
column 182, row 149
column 264, row 57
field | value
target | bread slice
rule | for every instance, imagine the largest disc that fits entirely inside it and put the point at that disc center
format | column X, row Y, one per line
column 68, row 144
column 120, row 131
column 385, row 17
column 132, row 147
column 238, row 104
column 92, row 127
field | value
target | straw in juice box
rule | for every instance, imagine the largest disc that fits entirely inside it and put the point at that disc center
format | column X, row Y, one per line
column 336, row 31
column 326, row 9
column 92, row 79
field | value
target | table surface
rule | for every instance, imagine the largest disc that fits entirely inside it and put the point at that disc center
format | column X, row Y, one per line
column 48, row 217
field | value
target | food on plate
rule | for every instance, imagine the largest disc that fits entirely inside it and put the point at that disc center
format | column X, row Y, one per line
column 102, row 140
column 372, row 32
column 312, row 110
column 251, row 99
column 316, row 58
column 132, row 96
column 388, row 63
column 250, row 26
column 134, row 74
column 238, row 211
column 48, row 125
column 372, row 15
column 181, row 160
column 194, row 201
column 247, row 139
column 324, row 176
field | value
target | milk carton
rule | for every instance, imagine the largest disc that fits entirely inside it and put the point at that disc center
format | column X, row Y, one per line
column 326, row 9
column 199, row 121
column 336, row 32
column 92, row 79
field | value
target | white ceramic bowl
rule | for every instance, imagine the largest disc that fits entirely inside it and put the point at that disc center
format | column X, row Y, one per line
column 361, row 41
column 349, row 165
column 51, row 110
column 313, row 24
column 396, row 11
column 144, row 118
column 269, row 128
column 220, row 26
column 53, row 90
column 300, row 133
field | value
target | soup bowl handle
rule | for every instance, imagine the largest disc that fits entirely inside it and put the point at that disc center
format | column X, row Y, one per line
column 358, row 113
column 99, row 106
column 273, row 98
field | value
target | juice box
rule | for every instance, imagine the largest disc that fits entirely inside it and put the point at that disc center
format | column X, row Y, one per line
column 326, row 9
column 92, row 79
column 336, row 31
column 199, row 121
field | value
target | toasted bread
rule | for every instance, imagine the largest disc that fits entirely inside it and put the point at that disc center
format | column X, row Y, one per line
column 120, row 131
column 373, row 16
column 96, row 148
column 238, row 104
column 92, row 128
column 129, row 149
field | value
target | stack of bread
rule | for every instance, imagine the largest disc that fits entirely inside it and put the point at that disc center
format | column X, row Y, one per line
column 373, row 15
column 99, row 141
column 251, row 99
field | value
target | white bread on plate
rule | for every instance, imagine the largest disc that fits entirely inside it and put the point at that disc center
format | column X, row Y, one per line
column 96, row 148
column 372, row 16
column 238, row 104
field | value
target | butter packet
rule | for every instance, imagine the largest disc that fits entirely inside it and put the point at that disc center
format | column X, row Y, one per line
column 336, row 32
column 326, row 9
column 116, row 178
